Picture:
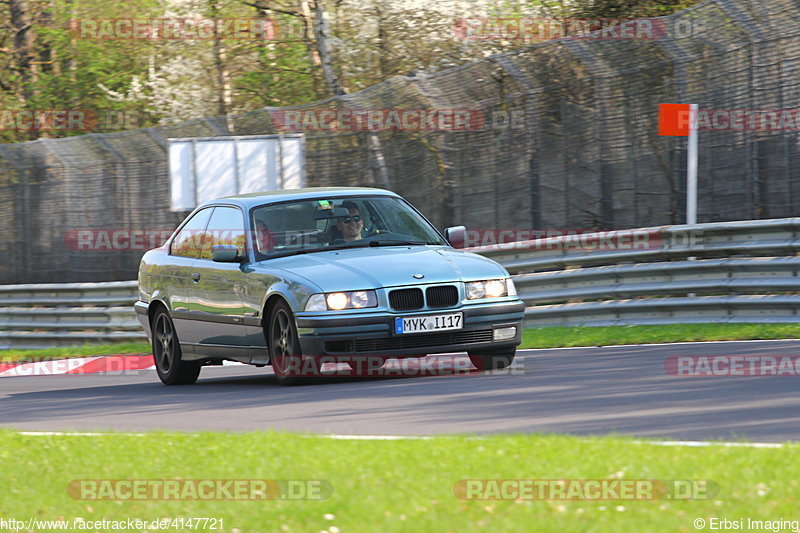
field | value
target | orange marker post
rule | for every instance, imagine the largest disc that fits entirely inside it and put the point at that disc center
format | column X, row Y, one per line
column 680, row 120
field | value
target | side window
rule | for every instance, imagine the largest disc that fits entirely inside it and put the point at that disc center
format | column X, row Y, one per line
column 190, row 239
column 225, row 227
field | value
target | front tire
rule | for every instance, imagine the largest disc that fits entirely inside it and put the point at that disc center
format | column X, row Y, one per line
column 284, row 345
column 171, row 369
column 493, row 359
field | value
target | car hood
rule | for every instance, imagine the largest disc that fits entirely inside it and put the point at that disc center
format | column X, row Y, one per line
column 389, row 266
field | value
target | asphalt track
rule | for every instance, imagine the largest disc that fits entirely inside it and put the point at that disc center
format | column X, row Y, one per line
column 621, row 390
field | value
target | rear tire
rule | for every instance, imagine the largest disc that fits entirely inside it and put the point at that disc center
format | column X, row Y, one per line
column 284, row 345
column 493, row 359
column 171, row 369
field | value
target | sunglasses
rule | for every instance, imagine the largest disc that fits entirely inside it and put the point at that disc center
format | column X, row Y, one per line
column 347, row 220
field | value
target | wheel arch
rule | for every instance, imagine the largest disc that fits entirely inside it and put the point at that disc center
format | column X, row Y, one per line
column 269, row 305
column 153, row 308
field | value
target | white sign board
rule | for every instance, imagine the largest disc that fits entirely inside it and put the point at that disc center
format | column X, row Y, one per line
column 204, row 168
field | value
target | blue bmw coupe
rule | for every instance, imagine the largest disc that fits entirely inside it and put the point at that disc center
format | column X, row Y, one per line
column 279, row 277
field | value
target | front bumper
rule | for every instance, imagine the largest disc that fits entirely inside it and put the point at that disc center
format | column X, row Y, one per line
column 141, row 309
column 371, row 334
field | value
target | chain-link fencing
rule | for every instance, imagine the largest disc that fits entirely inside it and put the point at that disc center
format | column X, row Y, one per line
column 568, row 139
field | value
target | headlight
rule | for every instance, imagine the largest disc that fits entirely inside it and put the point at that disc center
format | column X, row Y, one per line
column 475, row 290
column 337, row 301
column 316, row 303
column 493, row 288
column 361, row 299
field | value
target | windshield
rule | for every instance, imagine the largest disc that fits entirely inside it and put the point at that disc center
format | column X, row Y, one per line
column 321, row 224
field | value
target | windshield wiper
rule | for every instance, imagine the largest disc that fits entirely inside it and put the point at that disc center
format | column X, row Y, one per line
column 352, row 244
column 395, row 242
column 343, row 245
column 333, row 247
column 287, row 253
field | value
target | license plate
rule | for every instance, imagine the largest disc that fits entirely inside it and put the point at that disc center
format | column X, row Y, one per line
column 422, row 324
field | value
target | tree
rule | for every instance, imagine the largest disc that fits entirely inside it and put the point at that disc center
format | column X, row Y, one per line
column 323, row 48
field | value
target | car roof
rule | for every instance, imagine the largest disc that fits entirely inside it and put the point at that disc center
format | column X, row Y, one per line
column 253, row 199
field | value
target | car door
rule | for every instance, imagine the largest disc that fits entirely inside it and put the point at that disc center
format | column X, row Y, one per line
column 219, row 287
column 177, row 284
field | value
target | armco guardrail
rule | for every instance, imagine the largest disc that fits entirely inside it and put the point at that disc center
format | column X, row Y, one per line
column 720, row 272
column 64, row 314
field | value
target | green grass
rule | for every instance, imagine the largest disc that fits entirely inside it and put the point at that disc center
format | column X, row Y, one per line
column 402, row 485
column 548, row 337
column 76, row 351
column 559, row 336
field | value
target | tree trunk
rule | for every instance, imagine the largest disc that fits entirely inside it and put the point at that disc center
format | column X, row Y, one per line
column 224, row 91
column 311, row 41
column 24, row 43
column 383, row 51
column 322, row 32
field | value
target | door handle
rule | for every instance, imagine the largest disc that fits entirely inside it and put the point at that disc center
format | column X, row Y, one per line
column 195, row 277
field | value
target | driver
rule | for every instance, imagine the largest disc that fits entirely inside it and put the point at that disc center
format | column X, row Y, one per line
column 352, row 225
column 264, row 239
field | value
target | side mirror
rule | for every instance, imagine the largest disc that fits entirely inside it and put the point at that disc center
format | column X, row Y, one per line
column 456, row 236
column 225, row 253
